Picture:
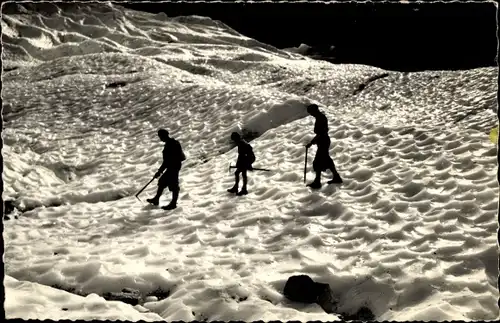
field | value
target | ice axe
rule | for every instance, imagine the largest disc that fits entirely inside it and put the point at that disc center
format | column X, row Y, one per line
column 254, row 168
column 137, row 195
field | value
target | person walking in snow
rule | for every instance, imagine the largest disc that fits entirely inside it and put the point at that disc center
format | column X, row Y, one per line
column 322, row 160
column 173, row 156
column 244, row 163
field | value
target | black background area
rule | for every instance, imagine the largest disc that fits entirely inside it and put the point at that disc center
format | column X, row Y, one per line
column 395, row 36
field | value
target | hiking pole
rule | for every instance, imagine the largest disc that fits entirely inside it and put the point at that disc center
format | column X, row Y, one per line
column 137, row 195
column 254, row 168
column 305, row 165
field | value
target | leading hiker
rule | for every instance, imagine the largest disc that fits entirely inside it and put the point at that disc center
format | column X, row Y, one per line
column 322, row 161
column 173, row 156
column 244, row 163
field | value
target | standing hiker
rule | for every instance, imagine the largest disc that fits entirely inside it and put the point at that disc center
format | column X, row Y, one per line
column 173, row 156
column 244, row 162
column 322, row 161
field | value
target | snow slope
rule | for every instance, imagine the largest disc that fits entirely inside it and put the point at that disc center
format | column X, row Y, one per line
column 411, row 234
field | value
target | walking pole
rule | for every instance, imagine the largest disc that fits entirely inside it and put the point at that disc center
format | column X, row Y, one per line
column 305, row 165
column 253, row 168
column 137, row 195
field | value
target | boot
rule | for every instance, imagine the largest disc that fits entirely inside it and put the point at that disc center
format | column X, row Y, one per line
column 315, row 185
column 154, row 201
column 171, row 206
column 336, row 180
column 233, row 189
column 173, row 203
column 242, row 192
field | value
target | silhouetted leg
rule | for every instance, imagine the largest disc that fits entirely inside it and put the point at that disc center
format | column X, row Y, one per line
column 317, row 181
column 336, row 177
column 161, row 187
column 244, row 187
column 317, row 169
column 173, row 186
column 175, row 197
column 234, row 189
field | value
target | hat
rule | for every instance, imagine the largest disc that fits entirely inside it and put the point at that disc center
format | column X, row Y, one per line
column 162, row 133
column 235, row 136
column 312, row 108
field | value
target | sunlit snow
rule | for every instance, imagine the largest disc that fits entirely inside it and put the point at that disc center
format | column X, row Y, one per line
column 411, row 234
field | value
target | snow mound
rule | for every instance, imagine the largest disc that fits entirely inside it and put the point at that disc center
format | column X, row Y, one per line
column 33, row 301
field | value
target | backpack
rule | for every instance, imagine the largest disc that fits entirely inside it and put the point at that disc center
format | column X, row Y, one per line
column 251, row 155
column 181, row 154
column 176, row 150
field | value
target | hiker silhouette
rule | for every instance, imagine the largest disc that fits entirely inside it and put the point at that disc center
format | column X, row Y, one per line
column 244, row 163
column 173, row 156
column 322, row 160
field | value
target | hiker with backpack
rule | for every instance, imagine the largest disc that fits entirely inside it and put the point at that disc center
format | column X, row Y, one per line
column 244, row 163
column 173, row 156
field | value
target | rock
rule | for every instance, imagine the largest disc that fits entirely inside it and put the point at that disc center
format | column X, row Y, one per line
column 302, row 288
column 12, row 8
column 303, row 49
column 325, row 298
column 127, row 295
column 363, row 85
column 159, row 293
column 45, row 8
column 9, row 207
column 8, row 69
column 113, row 85
column 363, row 314
column 323, row 52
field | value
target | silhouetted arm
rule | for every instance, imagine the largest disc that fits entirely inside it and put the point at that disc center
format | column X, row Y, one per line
column 314, row 141
column 163, row 165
